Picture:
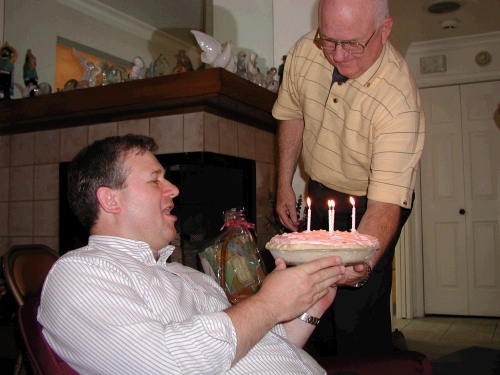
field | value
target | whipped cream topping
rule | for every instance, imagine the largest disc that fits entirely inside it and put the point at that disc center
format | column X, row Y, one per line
column 323, row 237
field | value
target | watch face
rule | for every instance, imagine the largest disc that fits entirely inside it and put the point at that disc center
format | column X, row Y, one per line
column 483, row 58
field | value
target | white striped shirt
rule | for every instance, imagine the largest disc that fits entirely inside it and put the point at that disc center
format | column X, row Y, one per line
column 111, row 308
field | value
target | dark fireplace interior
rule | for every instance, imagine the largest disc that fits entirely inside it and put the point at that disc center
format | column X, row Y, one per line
column 209, row 184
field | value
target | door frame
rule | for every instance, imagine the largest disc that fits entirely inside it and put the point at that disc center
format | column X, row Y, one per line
column 460, row 53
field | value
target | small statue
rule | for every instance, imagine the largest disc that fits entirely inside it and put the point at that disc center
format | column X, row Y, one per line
column 183, row 64
column 8, row 57
column 255, row 75
column 241, row 69
column 281, row 69
column 90, row 70
column 30, row 75
column 214, row 53
column 138, row 70
column 159, row 67
column 270, row 82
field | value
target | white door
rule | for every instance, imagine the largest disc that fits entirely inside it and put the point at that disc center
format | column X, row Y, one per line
column 461, row 200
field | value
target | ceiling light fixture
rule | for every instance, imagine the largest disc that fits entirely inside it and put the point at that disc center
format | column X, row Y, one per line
column 449, row 24
column 442, row 7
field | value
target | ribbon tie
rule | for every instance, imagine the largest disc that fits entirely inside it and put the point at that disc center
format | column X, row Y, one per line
column 242, row 222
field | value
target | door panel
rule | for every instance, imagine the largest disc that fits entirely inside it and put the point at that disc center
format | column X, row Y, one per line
column 461, row 200
column 443, row 227
column 482, row 181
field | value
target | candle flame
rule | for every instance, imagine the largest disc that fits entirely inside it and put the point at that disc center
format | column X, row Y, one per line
column 351, row 199
column 308, row 202
column 331, row 203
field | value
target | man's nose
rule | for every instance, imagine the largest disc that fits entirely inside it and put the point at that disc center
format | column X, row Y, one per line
column 170, row 189
column 340, row 54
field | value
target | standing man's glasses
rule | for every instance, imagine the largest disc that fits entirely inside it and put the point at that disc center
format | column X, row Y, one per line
column 329, row 45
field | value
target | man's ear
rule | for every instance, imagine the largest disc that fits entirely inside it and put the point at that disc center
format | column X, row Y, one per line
column 386, row 28
column 108, row 200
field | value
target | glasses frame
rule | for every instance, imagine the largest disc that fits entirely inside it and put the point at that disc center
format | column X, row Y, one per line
column 342, row 43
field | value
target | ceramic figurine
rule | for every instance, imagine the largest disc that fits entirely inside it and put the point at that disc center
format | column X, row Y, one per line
column 8, row 57
column 29, row 70
column 114, row 74
column 159, row 67
column 90, row 70
column 271, row 83
column 256, row 76
column 281, row 68
column 214, row 53
column 241, row 69
column 70, row 85
column 183, row 64
column 138, row 70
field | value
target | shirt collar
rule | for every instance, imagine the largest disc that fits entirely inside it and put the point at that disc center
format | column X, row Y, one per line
column 368, row 76
column 138, row 249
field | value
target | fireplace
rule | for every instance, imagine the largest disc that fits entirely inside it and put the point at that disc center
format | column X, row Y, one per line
column 209, row 184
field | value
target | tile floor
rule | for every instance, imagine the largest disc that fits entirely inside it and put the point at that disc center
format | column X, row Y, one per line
column 436, row 336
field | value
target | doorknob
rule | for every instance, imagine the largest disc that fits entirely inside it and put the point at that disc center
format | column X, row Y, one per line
column 462, row 211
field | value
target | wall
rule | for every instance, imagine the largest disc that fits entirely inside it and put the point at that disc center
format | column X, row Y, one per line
column 249, row 25
column 29, row 166
column 36, row 24
column 460, row 58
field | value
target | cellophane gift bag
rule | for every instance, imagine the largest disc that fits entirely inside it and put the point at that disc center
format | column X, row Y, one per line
column 233, row 258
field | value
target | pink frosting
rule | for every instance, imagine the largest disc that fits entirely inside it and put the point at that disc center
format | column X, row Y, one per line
column 323, row 237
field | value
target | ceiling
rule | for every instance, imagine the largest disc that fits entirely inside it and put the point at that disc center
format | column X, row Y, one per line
column 411, row 22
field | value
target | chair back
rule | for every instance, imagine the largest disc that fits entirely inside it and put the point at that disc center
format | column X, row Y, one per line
column 44, row 361
column 25, row 268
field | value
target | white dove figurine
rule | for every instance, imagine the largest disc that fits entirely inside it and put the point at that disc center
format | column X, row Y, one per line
column 214, row 53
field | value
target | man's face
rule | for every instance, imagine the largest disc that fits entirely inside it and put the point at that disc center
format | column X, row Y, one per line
column 352, row 21
column 146, row 202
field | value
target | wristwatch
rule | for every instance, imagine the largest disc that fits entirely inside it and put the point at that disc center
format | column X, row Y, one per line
column 363, row 282
column 305, row 317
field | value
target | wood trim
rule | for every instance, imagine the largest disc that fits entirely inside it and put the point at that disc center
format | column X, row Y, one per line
column 213, row 90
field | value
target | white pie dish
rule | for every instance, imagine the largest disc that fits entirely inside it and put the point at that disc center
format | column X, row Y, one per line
column 350, row 256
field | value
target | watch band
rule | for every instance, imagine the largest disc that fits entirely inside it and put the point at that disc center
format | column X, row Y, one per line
column 305, row 317
column 368, row 273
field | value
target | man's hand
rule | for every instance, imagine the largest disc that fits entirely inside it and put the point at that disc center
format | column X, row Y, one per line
column 286, row 207
column 354, row 274
column 284, row 295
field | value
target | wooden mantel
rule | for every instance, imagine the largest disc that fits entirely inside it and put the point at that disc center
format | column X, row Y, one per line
column 213, row 90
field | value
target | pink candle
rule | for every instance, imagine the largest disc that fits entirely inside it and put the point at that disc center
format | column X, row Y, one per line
column 331, row 215
column 351, row 199
column 308, row 214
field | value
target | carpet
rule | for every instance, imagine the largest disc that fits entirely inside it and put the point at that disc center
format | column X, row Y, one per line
column 474, row 360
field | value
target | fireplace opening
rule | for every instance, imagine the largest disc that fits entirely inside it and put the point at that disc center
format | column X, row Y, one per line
column 209, row 184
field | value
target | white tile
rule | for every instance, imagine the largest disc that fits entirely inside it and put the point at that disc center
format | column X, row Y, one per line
column 139, row 126
column 4, row 184
column 22, row 149
column 21, row 183
column 47, row 144
column 46, row 182
column 101, row 131
column 168, row 132
column 193, row 132
column 46, row 220
column 20, row 219
column 4, row 150
column 72, row 141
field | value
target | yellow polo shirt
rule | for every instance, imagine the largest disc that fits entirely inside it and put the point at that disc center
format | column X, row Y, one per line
column 362, row 137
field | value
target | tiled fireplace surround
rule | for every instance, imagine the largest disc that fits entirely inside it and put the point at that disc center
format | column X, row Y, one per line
column 29, row 166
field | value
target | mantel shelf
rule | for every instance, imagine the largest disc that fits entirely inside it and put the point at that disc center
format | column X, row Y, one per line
column 213, row 90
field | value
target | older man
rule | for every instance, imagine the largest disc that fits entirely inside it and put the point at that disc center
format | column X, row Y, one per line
column 117, row 307
column 349, row 104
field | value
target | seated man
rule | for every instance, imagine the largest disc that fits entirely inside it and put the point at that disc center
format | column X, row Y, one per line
column 117, row 307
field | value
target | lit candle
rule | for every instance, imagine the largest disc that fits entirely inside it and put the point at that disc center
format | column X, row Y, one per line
column 353, row 229
column 331, row 215
column 308, row 214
